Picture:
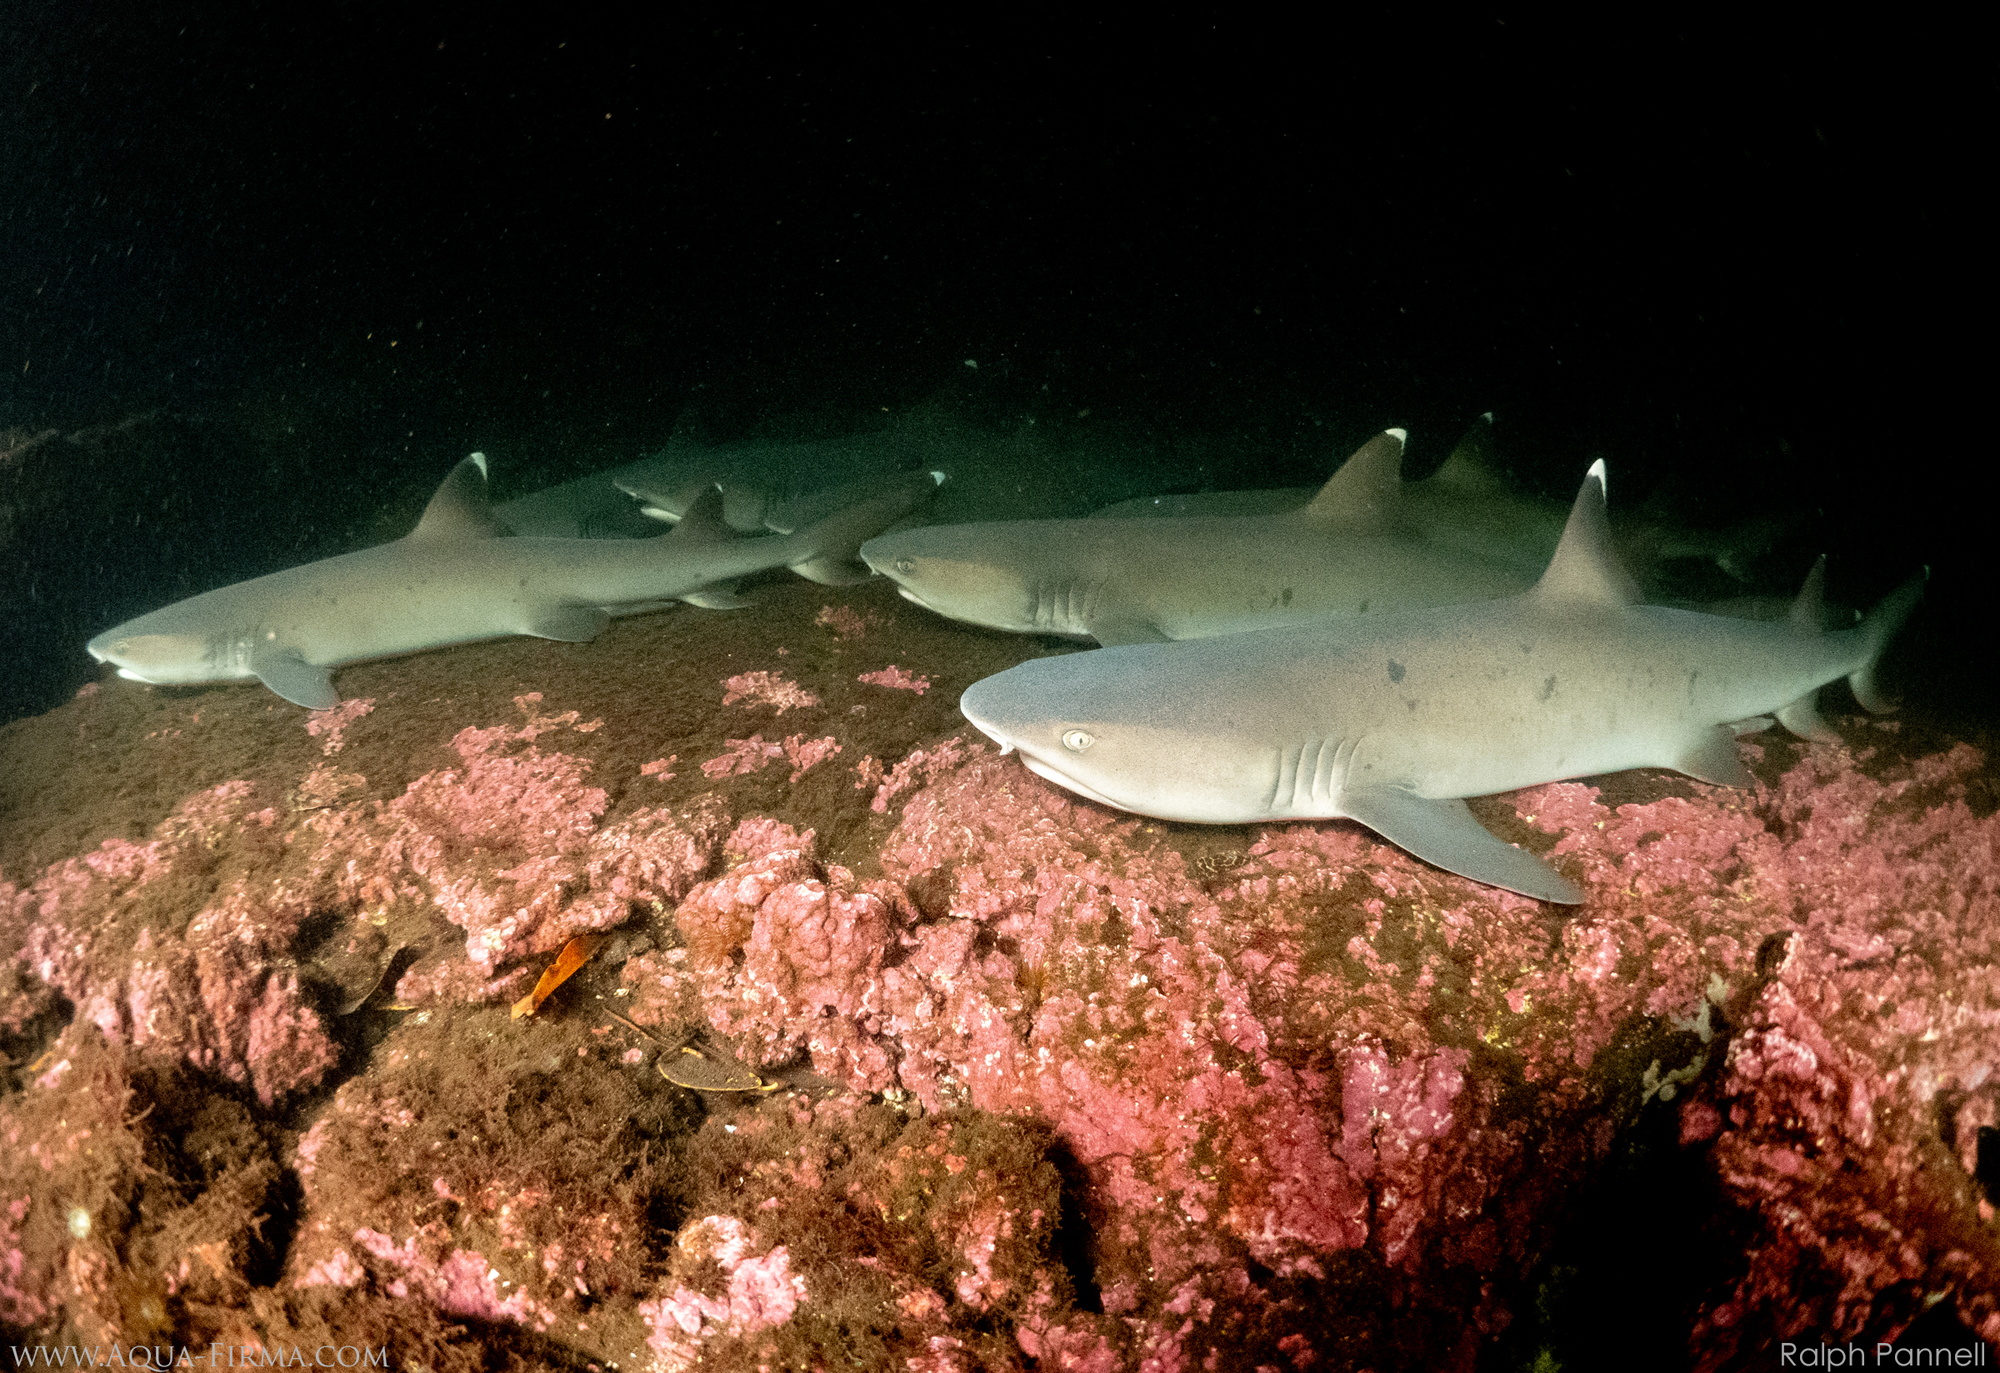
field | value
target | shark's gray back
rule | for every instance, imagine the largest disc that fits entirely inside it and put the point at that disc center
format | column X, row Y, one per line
column 1468, row 700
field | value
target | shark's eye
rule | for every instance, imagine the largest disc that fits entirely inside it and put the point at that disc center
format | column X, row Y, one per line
column 1077, row 740
column 905, row 566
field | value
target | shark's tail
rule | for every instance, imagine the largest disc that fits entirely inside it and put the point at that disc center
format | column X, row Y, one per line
column 1877, row 629
column 829, row 550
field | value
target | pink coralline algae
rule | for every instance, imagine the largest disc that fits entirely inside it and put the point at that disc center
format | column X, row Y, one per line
column 64, row 1182
column 1846, row 1112
column 334, row 723
column 845, row 621
column 661, row 768
column 750, row 755
column 508, row 846
column 767, row 689
column 931, row 1240
column 426, row 1184
column 1286, row 1071
column 760, row 1291
column 782, row 953
column 209, row 981
column 1277, row 1063
column 919, row 767
column 461, row 1283
column 897, row 679
column 744, row 757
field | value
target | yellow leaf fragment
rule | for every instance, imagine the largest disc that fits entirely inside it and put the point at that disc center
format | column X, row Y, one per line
column 575, row 954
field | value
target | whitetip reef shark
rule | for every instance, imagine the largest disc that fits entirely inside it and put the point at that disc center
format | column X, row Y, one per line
column 1465, row 504
column 1392, row 720
column 456, row 579
column 1354, row 549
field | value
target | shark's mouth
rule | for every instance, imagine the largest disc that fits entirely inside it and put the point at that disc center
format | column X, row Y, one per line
column 1041, row 769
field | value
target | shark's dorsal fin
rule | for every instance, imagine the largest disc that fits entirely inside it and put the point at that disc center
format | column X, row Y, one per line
column 1470, row 467
column 1809, row 610
column 1366, row 485
column 1585, row 570
column 458, row 508
column 702, row 521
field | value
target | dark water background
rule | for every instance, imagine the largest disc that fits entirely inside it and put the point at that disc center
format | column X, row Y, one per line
column 266, row 274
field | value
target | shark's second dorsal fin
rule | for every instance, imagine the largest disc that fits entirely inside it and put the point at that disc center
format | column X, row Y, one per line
column 1366, row 486
column 1470, row 467
column 458, row 508
column 1585, row 570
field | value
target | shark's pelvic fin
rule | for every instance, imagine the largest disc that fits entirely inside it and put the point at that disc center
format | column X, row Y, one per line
column 1365, row 487
column 458, row 508
column 1125, row 629
column 718, row 598
column 298, row 681
column 569, row 624
column 1444, row 834
column 1802, row 718
column 1585, row 570
column 1712, row 757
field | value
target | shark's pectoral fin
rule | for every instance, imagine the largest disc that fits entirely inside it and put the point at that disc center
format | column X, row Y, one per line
column 1444, row 834
column 717, row 598
column 1112, row 630
column 297, row 680
column 1713, row 758
column 570, row 624
column 1802, row 718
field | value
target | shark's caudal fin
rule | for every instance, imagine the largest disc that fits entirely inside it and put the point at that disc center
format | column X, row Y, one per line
column 1877, row 629
column 1585, row 570
column 830, row 550
column 1364, row 489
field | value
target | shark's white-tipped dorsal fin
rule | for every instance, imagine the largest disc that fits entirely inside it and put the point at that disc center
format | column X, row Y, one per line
column 1470, row 468
column 1366, row 485
column 1585, row 570
column 458, row 508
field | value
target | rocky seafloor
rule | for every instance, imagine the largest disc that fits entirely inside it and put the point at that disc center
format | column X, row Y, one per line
column 984, row 1076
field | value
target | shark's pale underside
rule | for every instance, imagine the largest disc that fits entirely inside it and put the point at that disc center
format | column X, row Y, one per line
column 455, row 580
column 1354, row 549
column 1391, row 720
